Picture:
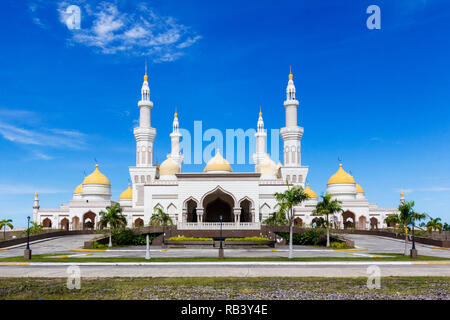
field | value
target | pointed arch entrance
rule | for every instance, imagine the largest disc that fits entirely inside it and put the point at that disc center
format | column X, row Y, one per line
column 89, row 220
column 218, row 203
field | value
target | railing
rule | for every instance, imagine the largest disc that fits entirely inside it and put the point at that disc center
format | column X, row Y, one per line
column 216, row 226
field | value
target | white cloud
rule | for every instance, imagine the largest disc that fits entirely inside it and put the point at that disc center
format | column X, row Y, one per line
column 142, row 32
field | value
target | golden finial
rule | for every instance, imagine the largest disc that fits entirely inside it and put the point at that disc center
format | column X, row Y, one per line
column 260, row 113
column 402, row 194
column 291, row 76
column 36, row 194
column 176, row 115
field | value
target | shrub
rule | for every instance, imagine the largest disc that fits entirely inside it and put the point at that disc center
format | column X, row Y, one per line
column 126, row 237
column 310, row 237
column 338, row 245
column 247, row 239
column 182, row 238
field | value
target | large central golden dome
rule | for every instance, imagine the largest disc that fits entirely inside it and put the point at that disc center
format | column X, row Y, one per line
column 96, row 177
column 218, row 163
column 341, row 177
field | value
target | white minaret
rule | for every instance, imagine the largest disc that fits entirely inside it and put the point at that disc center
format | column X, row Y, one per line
column 260, row 136
column 36, row 207
column 291, row 133
column 145, row 134
column 175, row 141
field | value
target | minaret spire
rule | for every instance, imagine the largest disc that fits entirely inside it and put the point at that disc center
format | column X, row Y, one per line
column 260, row 136
column 175, row 137
column 292, row 133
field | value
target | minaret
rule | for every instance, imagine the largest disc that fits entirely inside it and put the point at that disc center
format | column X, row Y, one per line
column 36, row 207
column 260, row 136
column 145, row 134
column 291, row 133
column 175, row 141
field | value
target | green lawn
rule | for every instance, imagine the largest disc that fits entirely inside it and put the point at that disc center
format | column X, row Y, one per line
column 389, row 257
column 220, row 288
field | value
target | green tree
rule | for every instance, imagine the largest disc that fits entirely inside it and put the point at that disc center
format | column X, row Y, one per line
column 5, row 223
column 434, row 224
column 325, row 208
column 113, row 218
column 36, row 228
column 160, row 218
column 278, row 218
column 407, row 216
column 288, row 200
column 392, row 219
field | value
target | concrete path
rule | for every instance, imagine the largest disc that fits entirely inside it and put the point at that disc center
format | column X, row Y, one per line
column 229, row 269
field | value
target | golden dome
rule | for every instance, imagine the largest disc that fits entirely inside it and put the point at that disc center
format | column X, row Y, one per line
column 36, row 194
column 310, row 193
column 77, row 189
column 341, row 177
column 260, row 114
column 169, row 166
column 96, row 177
column 176, row 115
column 359, row 189
column 218, row 163
column 291, row 76
column 267, row 166
column 127, row 194
column 402, row 194
column 146, row 78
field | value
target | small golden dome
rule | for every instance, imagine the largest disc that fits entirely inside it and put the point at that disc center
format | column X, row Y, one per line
column 310, row 193
column 359, row 189
column 267, row 166
column 402, row 194
column 176, row 115
column 96, row 177
column 77, row 189
column 291, row 76
column 260, row 114
column 169, row 166
column 127, row 194
column 36, row 194
column 146, row 78
column 341, row 177
column 218, row 163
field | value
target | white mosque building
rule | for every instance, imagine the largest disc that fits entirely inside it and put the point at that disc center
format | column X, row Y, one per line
column 197, row 200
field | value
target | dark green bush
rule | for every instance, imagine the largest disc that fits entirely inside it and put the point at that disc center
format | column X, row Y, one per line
column 126, row 237
column 311, row 237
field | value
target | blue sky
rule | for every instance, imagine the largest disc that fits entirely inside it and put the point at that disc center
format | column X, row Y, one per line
column 377, row 99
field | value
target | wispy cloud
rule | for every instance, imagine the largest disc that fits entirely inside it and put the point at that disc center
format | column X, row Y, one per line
column 142, row 32
column 28, row 189
column 428, row 189
column 14, row 128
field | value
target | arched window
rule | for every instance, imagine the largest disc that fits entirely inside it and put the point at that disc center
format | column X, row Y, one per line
column 294, row 178
column 143, row 179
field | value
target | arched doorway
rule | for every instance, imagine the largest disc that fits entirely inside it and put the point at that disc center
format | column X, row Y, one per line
column 298, row 222
column 138, row 223
column 349, row 219
column 47, row 223
column 65, row 224
column 216, row 204
column 89, row 220
column 191, row 207
column 362, row 223
column 246, row 214
column 373, row 223
column 75, row 223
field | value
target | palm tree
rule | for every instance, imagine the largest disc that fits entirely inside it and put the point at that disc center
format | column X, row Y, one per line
column 434, row 224
column 327, row 207
column 35, row 228
column 407, row 216
column 392, row 219
column 114, row 218
column 160, row 218
column 5, row 223
column 278, row 218
column 287, row 200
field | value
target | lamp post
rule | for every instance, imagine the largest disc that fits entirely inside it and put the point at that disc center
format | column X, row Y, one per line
column 27, row 252
column 220, row 247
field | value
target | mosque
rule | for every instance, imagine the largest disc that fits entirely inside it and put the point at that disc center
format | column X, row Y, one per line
column 195, row 201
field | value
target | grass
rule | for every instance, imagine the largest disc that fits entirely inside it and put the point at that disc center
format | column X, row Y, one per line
column 384, row 257
column 220, row 288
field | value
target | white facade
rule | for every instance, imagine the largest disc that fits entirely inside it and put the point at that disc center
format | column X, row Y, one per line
column 197, row 200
